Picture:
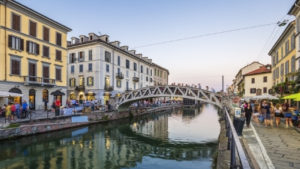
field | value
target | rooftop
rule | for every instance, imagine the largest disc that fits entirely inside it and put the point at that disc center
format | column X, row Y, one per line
column 261, row 70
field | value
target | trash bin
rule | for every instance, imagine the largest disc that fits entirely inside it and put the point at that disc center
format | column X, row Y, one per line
column 239, row 125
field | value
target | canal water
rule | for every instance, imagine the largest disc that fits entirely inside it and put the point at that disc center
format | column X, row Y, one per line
column 183, row 138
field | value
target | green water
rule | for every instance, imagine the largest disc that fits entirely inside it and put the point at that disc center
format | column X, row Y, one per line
column 183, row 139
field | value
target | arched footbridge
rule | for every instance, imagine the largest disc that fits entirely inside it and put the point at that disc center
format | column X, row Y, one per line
column 168, row 91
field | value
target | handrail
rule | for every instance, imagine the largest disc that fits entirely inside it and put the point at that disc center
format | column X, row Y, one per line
column 235, row 144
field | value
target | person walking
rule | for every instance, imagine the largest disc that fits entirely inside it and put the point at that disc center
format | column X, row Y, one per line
column 287, row 115
column 8, row 112
column 267, row 112
column 248, row 113
column 18, row 107
column 278, row 114
column 57, row 107
column 13, row 111
column 24, row 109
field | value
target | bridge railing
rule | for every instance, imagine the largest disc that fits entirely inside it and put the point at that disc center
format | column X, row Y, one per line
column 238, row 158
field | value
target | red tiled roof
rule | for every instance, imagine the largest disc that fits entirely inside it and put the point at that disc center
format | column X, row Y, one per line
column 262, row 69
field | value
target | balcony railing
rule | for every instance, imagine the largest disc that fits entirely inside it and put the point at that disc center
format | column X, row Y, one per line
column 39, row 81
column 120, row 75
column 108, row 88
column 80, row 87
column 135, row 79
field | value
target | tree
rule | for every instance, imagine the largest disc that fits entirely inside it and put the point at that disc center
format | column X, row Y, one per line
column 297, row 82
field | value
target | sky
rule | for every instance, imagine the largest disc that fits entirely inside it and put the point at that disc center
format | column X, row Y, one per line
column 201, row 60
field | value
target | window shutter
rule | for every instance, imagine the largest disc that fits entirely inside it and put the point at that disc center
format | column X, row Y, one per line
column 37, row 49
column 10, row 41
column 27, row 46
column 21, row 44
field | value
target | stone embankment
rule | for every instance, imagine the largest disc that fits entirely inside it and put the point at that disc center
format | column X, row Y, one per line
column 44, row 125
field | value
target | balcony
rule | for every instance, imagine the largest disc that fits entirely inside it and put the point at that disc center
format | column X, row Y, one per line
column 119, row 75
column 135, row 79
column 80, row 87
column 39, row 81
column 108, row 88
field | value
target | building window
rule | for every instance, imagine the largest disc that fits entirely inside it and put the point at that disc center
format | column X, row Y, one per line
column 15, row 43
column 293, row 42
column 287, row 67
column 147, row 71
column 107, row 68
column 119, row 60
column 107, row 56
column 81, row 68
column 32, row 48
column 72, row 58
column 127, row 85
column 252, row 90
column 281, row 69
column 127, row 64
column 81, row 56
column 58, row 39
column 81, row 81
column 46, row 34
column 276, row 58
column 146, row 78
column 46, row 73
column 90, row 81
column 134, row 66
column 119, row 70
column 252, row 80
column 32, row 28
column 46, row 51
column 90, row 55
column 72, row 69
column 58, row 55
column 151, row 79
column 58, row 73
column 15, row 66
column 127, row 73
column 265, row 79
column 265, row 90
column 72, row 82
column 150, row 72
column 281, row 52
column 16, row 22
column 90, row 67
column 287, row 47
column 293, row 64
column 119, row 84
column 142, row 69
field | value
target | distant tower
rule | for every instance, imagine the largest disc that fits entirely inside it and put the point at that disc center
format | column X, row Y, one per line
column 222, row 83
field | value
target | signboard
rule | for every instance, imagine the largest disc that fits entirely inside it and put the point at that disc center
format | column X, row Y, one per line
column 237, row 112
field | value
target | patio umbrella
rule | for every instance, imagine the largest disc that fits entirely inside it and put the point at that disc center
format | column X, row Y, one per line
column 292, row 96
column 265, row 96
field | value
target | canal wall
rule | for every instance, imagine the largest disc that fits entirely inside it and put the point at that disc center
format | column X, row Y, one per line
column 65, row 122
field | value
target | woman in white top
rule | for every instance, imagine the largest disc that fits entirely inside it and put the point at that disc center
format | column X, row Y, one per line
column 278, row 114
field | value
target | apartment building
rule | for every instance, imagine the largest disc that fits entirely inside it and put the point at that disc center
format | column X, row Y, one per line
column 100, row 69
column 33, row 52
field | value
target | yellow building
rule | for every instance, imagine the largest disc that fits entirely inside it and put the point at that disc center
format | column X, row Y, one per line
column 283, row 55
column 32, row 54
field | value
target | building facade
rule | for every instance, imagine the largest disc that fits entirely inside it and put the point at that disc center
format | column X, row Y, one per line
column 258, row 82
column 99, row 69
column 283, row 56
column 161, row 75
column 33, row 52
column 238, row 82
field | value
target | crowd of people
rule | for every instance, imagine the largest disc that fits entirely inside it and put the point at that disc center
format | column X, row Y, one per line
column 267, row 112
column 13, row 111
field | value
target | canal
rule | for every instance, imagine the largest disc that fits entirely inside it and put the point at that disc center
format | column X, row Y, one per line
column 183, row 138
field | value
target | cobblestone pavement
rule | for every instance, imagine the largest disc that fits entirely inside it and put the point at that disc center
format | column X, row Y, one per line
column 282, row 145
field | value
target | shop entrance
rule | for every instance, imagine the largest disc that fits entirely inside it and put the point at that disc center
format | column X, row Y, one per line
column 32, row 99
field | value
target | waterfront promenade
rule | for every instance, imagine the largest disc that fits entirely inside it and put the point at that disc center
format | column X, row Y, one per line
column 273, row 147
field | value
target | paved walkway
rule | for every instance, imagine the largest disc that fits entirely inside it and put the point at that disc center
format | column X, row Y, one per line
column 274, row 147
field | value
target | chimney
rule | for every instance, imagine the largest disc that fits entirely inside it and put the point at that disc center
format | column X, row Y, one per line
column 116, row 43
column 93, row 36
column 83, row 38
column 150, row 60
column 74, row 40
column 132, row 52
column 139, row 55
column 124, row 48
column 105, row 38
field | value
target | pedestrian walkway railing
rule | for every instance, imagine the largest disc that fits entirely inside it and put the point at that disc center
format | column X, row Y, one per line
column 238, row 157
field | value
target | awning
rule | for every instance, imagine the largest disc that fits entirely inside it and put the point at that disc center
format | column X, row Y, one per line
column 57, row 93
column 10, row 94
column 263, row 97
column 292, row 96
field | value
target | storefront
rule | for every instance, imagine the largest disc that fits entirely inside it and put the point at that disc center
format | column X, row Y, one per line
column 90, row 96
column 16, row 98
column 31, row 99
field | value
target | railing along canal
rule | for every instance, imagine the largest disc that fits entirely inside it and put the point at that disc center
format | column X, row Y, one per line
column 234, row 145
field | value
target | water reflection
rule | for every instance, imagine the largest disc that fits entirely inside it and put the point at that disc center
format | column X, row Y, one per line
column 147, row 142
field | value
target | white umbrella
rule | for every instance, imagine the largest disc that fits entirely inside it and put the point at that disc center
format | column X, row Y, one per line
column 265, row 96
column 7, row 94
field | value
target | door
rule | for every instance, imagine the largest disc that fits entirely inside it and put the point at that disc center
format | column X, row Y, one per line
column 32, row 99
